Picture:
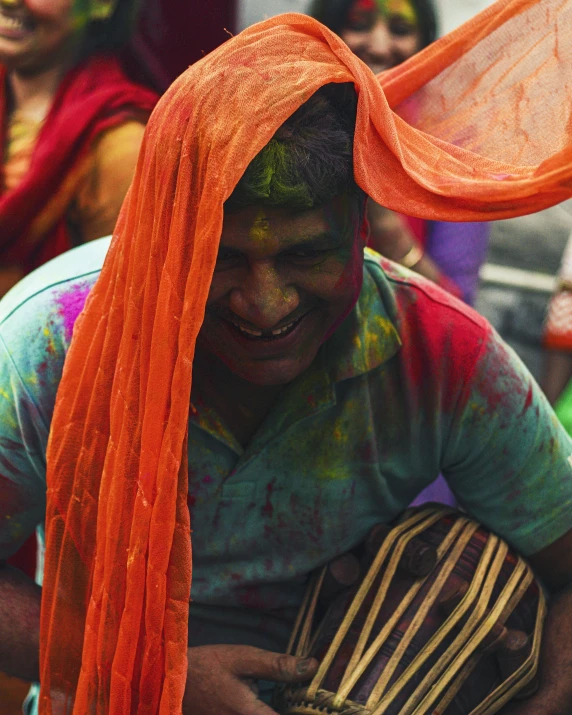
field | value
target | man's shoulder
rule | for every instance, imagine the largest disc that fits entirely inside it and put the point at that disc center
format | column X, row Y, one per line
column 65, row 280
column 417, row 301
column 439, row 334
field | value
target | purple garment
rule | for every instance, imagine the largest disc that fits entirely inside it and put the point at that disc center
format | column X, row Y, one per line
column 459, row 249
column 438, row 491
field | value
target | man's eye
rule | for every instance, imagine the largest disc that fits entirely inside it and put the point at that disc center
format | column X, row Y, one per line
column 226, row 260
column 225, row 256
column 308, row 255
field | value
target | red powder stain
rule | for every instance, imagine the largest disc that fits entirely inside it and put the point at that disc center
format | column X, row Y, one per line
column 71, row 303
column 528, row 401
column 268, row 508
column 208, row 479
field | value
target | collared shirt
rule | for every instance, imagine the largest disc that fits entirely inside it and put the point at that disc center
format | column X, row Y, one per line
column 412, row 383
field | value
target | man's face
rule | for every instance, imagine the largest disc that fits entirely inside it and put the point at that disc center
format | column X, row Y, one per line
column 283, row 282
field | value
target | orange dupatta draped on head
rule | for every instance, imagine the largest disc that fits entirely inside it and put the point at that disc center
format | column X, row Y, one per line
column 478, row 126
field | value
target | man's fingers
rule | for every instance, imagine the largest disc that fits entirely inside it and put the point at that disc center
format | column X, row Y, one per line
column 248, row 662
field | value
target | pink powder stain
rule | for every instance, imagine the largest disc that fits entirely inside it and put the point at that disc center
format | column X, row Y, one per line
column 71, row 303
column 268, row 508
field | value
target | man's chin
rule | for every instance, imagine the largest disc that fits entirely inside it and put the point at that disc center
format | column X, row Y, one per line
column 270, row 373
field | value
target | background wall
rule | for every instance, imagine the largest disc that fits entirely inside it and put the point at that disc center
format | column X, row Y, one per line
column 452, row 12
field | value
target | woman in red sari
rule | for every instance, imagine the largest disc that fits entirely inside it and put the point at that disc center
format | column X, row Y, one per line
column 71, row 123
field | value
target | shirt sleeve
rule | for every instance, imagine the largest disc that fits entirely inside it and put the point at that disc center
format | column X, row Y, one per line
column 23, row 438
column 507, row 457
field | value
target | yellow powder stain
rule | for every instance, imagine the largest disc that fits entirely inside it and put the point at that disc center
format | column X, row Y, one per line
column 476, row 407
column 31, row 379
column 376, row 337
column 402, row 8
column 260, row 229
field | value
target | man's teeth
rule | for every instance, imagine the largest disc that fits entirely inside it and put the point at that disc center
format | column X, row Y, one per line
column 258, row 333
column 283, row 329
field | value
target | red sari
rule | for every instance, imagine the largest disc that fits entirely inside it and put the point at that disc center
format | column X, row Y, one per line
column 93, row 97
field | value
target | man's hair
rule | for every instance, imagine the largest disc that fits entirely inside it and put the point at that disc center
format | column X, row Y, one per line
column 334, row 14
column 309, row 160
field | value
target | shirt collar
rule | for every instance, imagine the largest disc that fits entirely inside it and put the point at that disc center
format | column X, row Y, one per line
column 368, row 337
column 365, row 340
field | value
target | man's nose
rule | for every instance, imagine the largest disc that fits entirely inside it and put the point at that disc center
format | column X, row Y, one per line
column 263, row 298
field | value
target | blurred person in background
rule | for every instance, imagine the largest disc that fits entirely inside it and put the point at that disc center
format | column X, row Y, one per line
column 385, row 33
column 557, row 341
column 71, row 124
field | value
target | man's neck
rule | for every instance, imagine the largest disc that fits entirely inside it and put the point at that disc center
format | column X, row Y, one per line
column 241, row 405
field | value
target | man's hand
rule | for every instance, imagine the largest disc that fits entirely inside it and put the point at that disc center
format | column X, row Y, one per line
column 221, row 678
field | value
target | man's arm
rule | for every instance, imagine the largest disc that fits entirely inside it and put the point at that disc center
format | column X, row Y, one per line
column 553, row 565
column 509, row 461
column 19, row 624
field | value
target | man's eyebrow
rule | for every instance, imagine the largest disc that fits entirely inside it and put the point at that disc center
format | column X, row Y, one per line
column 326, row 239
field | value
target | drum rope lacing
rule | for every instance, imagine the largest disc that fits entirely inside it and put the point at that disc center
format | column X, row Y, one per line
column 444, row 680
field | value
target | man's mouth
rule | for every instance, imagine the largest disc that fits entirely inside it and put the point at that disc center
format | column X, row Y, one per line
column 268, row 335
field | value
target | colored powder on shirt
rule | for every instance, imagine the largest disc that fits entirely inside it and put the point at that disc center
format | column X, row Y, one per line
column 71, row 302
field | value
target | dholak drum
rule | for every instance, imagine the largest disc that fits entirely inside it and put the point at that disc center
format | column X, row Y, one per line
column 447, row 620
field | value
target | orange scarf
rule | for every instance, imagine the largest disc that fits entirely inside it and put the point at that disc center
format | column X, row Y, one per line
column 475, row 127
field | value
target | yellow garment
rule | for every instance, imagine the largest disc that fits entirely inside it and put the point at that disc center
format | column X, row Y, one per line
column 104, row 179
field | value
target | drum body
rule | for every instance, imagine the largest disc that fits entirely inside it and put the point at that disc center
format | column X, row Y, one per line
column 447, row 620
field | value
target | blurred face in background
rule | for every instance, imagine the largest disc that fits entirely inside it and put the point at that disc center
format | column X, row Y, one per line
column 382, row 33
column 39, row 34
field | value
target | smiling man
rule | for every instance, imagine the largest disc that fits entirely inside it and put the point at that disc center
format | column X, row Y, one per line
column 329, row 387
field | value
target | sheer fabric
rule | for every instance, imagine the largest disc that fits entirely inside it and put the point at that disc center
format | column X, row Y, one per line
column 476, row 127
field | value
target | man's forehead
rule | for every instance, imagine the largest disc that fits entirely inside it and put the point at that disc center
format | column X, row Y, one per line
column 260, row 224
